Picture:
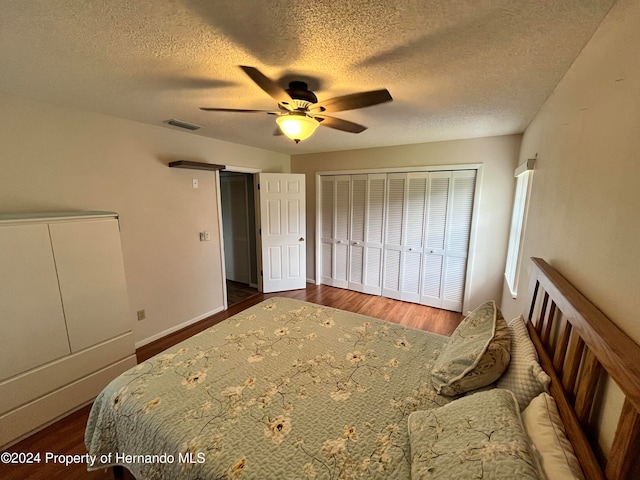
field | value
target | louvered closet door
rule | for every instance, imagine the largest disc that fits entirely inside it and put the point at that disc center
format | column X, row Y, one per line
column 326, row 229
column 461, row 196
column 357, row 222
column 341, row 231
column 434, row 243
column 374, row 233
column 413, row 235
column 401, row 235
column 394, row 218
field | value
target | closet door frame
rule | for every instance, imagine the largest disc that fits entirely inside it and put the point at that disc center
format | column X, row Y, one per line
column 479, row 167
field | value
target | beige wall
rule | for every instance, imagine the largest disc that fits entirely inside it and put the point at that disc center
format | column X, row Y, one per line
column 54, row 159
column 585, row 200
column 499, row 158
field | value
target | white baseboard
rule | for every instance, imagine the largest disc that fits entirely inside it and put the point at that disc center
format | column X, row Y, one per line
column 175, row 328
column 311, row 280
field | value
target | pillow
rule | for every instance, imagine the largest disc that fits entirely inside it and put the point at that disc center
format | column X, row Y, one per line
column 524, row 377
column 479, row 436
column 546, row 432
column 475, row 355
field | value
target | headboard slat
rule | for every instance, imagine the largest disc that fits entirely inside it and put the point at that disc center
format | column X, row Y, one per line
column 543, row 310
column 572, row 363
column 548, row 326
column 618, row 354
column 561, row 347
column 627, row 439
column 589, row 375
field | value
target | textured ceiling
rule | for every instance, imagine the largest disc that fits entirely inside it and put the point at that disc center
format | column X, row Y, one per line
column 456, row 69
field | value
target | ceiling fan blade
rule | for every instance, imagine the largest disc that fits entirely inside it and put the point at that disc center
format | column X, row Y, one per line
column 340, row 124
column 353, row 101
column 276, row 92
column 212, row 109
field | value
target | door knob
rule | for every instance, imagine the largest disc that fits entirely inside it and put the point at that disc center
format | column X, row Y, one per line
column 301, row 239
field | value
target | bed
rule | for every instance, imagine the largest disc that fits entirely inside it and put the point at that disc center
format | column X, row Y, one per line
column 289, row 389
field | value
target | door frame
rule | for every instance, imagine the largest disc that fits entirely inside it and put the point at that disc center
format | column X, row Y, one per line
column 223, row 269
column 478, row 167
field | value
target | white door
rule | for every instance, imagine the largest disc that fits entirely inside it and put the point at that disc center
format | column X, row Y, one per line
column 461, row 197
column 413, row 235
column 283, row 231
column 448, row 223
column 394, row 219
column 326, row 230
column 357, row 232
column 341, row 231
column 376, row 188
column 434, row 243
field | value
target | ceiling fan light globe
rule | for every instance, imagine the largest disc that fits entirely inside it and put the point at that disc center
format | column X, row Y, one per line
column 297, row 127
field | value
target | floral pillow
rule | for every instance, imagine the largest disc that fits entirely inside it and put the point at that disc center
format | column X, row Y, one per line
column 478, row 436
column 476, row 354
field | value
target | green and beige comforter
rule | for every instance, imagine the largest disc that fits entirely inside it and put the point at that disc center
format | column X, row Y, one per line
column 283, row 390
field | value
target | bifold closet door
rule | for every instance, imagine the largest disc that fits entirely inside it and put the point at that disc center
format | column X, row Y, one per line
column 462, row 193
column 352, row 226
column 405, row 230
column 357, row 220
column 335, row 230
column 400, row 235
column 448, row 227
column 374, row 229
column 394, row 221
column 413, row 235
column 327, row 185
column 341, row 231
column 434, row 246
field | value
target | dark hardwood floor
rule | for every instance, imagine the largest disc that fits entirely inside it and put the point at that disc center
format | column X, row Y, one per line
column 237, row 292
column 66, row 437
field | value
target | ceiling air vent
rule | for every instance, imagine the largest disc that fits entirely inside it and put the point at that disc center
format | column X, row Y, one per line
column 181, row 124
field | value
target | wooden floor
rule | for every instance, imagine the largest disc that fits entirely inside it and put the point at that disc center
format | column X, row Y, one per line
column 237, row 292
column 67, row 435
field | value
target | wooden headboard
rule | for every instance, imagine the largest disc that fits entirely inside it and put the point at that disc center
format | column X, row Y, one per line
column 576, row 344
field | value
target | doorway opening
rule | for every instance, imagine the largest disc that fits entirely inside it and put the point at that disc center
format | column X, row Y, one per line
column 237, row 201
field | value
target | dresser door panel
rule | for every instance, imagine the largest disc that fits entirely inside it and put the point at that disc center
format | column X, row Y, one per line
column 31, row 316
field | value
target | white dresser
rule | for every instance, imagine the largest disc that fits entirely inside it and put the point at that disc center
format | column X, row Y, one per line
column 65, row 324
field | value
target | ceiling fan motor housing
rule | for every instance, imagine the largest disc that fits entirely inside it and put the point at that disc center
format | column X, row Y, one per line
column 300, row 91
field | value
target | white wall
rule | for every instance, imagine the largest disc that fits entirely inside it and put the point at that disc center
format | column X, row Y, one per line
column 585, row 200
column 54, row 159
column 499, row 157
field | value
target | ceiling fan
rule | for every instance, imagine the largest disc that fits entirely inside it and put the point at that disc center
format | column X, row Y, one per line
column 299, row 112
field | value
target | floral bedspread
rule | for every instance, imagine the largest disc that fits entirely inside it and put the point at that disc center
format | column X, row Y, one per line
column 283, row 390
